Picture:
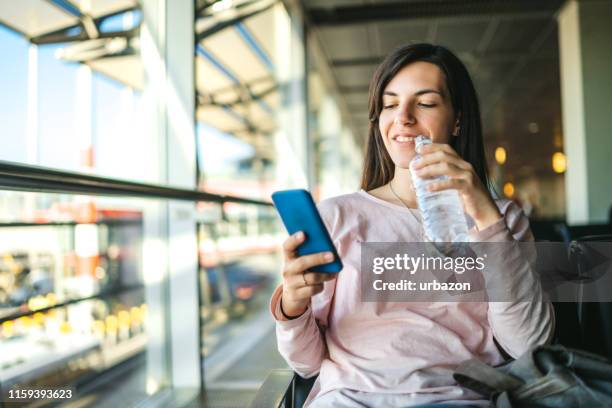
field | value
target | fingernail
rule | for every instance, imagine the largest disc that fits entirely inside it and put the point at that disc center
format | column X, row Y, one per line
column 299, row 235
column 329, row 256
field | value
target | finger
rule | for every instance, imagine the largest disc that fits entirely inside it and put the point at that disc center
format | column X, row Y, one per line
column 440, row 169
column 303, row 263
column 295, row 290
column 316, row 277
column 293, row 282
column 308, row 291
column 439, row 185
column 435, row 147
column 291, row 244
column 439, row 156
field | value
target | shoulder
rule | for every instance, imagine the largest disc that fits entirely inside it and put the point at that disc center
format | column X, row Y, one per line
column 335, row 209
column 338, row 202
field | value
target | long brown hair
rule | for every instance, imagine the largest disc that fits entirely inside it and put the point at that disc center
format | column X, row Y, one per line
column 379, row 168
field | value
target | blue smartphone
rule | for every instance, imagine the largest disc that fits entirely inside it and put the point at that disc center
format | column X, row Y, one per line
column 298, row 212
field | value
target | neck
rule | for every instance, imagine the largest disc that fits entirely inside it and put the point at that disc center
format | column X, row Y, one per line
column 402, row 185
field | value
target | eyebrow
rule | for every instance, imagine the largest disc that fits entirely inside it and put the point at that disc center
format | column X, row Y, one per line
column 421, row 92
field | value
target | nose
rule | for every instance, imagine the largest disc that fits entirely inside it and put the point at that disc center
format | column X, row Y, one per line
column 404, row 116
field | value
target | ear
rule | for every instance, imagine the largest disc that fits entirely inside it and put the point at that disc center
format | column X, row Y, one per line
column 457, row 125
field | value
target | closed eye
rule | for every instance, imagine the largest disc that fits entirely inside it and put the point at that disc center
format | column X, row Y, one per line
column 427, row 105
column 389, row 106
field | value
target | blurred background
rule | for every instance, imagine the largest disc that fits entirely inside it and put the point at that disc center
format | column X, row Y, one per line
column 141, row 141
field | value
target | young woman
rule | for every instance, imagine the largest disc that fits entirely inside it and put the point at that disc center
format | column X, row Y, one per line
column 399, row 354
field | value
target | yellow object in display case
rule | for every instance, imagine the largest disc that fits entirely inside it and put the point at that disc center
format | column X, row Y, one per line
column 65, row 328
column 111, row 328
column 111, row 322
column 124, row 324
column 98, row 328
column 8, row 329
column 39, row 318
column 136, row 313
column 51, row 299
column 124, row 318
column 24, row 324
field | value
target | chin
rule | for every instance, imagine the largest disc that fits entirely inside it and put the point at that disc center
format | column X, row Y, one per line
column 403, row 160
column 403, row 163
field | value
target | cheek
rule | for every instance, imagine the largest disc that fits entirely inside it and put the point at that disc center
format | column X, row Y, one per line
column 384, row 122
column 440, row 126
column 383, row 128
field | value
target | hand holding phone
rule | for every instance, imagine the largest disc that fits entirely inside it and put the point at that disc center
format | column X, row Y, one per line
column 299, row 213
column 299, row 285
column 303, row 222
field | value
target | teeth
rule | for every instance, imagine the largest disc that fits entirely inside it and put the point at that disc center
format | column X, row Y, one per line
column 404, row 139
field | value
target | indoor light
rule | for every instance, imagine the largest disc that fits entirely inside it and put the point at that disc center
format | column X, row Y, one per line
column 559, row 162
column 509, row 189
column 500, row 155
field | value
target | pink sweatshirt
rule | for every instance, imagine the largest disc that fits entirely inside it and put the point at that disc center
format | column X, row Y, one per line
column 403, row 353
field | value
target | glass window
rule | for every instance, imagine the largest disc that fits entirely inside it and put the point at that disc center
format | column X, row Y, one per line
column 239, row 269
column 13, row 98
column 336, row 153
column 118, row 131
column 237, row 106
column 59, row 136
column 73, row 303
column 74, row 105
column 240, row 153
column 85, row 281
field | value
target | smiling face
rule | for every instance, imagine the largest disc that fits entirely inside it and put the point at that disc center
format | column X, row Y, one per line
column 415, row 102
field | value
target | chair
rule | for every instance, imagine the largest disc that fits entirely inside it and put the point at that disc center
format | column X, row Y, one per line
column 283, row 388
column 594, row 318
column 580, row 325
column 583, row 325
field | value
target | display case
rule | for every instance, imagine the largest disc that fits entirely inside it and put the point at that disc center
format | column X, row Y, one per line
column 71, row 288
column 239, row 265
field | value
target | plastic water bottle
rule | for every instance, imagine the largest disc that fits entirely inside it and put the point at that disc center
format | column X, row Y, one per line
column 442, row 211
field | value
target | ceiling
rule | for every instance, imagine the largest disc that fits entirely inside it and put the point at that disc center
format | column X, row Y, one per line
column 510, row 48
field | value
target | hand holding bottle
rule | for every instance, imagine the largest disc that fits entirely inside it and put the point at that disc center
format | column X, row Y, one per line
column 440, row 159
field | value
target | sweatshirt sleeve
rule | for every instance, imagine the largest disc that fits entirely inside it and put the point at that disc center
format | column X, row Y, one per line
column 527, row 320
column 301, row 341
